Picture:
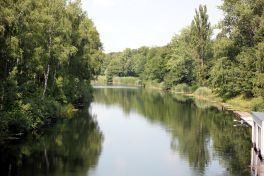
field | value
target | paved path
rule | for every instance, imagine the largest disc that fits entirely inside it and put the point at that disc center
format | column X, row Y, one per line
column 245, row 116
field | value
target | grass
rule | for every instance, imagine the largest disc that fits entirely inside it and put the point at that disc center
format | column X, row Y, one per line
column 154, row 85
column 128, row 81
column 239, row 103
column 100, row 80
column 246, row 104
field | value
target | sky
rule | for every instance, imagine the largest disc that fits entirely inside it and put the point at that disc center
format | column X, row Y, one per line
column 135, row 23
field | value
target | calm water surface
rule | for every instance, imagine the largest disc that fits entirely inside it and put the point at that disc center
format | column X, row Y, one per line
column 134, row 132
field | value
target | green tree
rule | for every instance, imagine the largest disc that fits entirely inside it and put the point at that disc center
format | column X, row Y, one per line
column 49, row 52
column 180, row 63
column 155, row 67
column 238, row 44
column 259, row 81
column 201, row 34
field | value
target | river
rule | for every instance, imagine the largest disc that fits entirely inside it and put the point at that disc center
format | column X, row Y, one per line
column 135, row 132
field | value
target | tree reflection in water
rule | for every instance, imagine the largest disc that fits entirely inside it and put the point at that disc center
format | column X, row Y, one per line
column 71, row 147
column 200, row 132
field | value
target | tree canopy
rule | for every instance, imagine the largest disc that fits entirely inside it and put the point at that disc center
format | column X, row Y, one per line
column 49, row 50
column 231, row 63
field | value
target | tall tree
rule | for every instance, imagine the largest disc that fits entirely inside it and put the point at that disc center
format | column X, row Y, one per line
column 201, row 34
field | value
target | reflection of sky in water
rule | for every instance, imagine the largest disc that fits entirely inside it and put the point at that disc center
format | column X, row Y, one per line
column 134, row 146
column 144, row 133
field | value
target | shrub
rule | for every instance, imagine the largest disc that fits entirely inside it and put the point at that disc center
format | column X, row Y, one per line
column 204, row 92
column 258, row 104
column 130, row 81
column 182, row 88
column 66, row 111
column 247, row 104
column 109, row 79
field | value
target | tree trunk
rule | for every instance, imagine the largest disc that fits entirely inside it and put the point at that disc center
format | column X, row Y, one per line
column 46, row 77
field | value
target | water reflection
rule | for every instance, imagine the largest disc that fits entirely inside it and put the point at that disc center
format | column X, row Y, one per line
column 205, row 137
column 71, row 147
column 147, row 133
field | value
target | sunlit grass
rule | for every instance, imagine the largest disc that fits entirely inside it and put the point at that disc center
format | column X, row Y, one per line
column 128, row 81
column 246, row 104
column 239, row 103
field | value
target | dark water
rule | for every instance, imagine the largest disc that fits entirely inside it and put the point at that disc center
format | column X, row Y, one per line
column 133, row 132
column 71, row 147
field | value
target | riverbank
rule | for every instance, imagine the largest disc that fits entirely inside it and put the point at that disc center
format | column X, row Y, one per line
column 239, row 103
column 128, row 81
column 20, row 127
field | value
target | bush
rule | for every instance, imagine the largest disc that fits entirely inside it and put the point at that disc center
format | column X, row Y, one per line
column 204, row 92
column 247, row 104
column 129, row 81
column 182, row 88
column 66, row 111
column 109, row 79
column 153, row 85
column 100, row 80
column 194, row 87
column 258, row 104
column 18, row 122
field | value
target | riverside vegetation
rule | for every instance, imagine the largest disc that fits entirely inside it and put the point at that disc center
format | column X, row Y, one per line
column 49, row 50
column 229, row 66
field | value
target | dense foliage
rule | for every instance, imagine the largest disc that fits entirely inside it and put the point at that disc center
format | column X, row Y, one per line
column 231, row 63
column 49, row 50
column 71, row 146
